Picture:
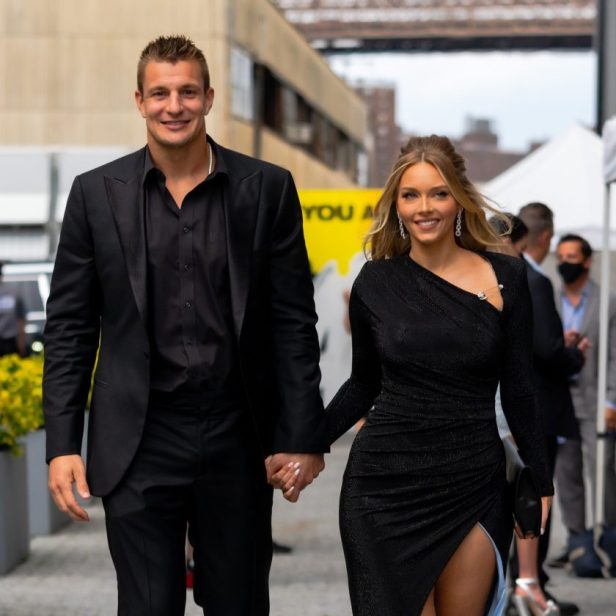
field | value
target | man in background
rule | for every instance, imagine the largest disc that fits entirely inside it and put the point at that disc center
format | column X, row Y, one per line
column 12, row 320
column 554, row 362
column 577, row 458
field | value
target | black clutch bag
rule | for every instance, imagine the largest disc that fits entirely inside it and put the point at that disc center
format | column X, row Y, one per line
column 524, row 492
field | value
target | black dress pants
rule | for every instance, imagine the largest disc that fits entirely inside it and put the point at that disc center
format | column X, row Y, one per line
column 197, row 465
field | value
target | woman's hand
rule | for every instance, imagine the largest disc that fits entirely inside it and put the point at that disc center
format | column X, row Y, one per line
column 292, row 472
column 546, row 504
column 285, row 479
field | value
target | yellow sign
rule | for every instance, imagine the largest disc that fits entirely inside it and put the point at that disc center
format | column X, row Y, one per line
column 336, row 223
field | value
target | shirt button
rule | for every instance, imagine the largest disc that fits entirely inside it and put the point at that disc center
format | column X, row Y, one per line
column 187, row 305
column 186, row 267
column 186, row 229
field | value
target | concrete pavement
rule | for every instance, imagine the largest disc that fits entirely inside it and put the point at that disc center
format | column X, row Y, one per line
column 70, row 573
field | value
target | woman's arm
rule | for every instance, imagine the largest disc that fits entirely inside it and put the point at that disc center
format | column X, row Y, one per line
column 356, row 396
column 517, row 388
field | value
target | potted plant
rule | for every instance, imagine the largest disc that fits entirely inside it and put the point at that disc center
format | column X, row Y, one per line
column 44, row 516
column 20, row 413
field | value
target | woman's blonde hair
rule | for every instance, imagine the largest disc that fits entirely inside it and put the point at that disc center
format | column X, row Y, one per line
column 384, row 240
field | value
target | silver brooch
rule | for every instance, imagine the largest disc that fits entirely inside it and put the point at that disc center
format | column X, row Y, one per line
column 483, row 295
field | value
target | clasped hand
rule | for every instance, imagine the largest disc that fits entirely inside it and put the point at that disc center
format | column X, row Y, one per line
column 292, row 472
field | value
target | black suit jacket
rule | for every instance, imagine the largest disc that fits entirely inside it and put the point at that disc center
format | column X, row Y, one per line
column 98, row 293
column 553, row 362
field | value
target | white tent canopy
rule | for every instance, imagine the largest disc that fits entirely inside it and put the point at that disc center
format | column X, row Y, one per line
column 566, row 173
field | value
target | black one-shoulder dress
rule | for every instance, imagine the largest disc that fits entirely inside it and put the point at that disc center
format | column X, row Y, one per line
column 429, row 464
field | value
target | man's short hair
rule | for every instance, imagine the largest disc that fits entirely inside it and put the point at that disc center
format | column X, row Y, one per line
column 584, row 245
column 538, row 217
column 172, row 49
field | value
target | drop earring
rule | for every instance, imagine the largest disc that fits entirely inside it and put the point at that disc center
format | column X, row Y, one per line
column 402, row 229
column 458, row 231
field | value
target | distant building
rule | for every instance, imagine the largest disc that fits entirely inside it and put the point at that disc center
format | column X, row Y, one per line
column 479, row 143
column 479, row 146
column 384, row 141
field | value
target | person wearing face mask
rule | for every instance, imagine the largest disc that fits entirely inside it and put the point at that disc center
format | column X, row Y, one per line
column 524, row 593
column 579, row 307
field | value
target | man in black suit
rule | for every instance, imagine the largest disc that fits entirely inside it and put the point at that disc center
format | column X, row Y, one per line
column 184, row 265
column 553, row 361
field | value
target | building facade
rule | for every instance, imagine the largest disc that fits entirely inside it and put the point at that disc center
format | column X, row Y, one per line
column 485, row 159
column 68, row 73
column 385, row 135
column 67, row 83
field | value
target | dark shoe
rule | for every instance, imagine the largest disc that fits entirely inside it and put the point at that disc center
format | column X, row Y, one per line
column 280, row 548
column 560, row 561
column 510, row 609
column 566, row 608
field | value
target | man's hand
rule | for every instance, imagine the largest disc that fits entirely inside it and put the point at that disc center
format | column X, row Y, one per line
column 292, row 472
column 583, row 345
column 63, row 472
column 572, row 337
column 610, row 419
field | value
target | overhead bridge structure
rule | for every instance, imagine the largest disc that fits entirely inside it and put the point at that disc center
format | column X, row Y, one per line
column 339, row 26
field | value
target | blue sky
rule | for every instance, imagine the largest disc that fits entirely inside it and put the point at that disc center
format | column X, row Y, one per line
column 530, row 96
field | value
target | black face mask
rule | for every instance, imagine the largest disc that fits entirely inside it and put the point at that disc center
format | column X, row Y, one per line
column 570, row 272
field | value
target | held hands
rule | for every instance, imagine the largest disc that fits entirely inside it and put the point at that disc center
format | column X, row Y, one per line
column 292, row 472
column 63, row 472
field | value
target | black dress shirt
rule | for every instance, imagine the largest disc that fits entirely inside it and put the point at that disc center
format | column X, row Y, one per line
column 190, row 323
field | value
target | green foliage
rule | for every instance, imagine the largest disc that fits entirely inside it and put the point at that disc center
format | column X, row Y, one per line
column 21, row 399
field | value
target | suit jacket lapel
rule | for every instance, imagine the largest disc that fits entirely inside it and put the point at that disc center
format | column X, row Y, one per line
column 127, row 204
column 241, row 202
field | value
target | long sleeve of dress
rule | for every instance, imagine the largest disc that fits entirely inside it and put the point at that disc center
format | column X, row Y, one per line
column 517, row 388
column 356, row 396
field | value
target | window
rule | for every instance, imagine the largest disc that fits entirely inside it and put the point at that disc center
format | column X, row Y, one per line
column 272, row 102
column 242, row 85
column 294, row 119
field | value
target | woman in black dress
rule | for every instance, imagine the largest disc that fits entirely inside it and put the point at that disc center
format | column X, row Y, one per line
column 437, row 322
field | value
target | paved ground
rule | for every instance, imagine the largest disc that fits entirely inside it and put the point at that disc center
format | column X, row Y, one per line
column 70, row 574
